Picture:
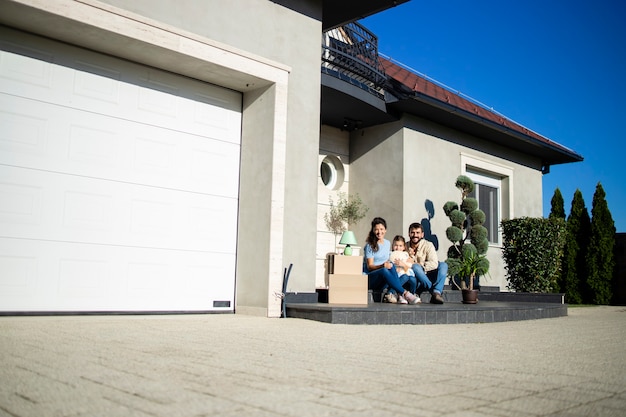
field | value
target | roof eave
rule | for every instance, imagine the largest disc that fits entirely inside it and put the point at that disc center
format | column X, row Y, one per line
column 337, row 13
column 463, row 120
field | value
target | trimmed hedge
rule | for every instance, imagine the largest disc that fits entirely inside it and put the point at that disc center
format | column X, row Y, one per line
column 532, row 251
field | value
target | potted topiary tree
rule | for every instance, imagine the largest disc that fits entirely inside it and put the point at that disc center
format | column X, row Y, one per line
column 467, row 256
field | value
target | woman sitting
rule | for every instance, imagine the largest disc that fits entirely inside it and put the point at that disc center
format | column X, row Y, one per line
column 381, row 272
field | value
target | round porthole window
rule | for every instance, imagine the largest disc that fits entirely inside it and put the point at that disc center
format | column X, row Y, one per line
column 331, row 172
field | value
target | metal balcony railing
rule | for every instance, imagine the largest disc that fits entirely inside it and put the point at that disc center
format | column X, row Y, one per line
column 350, row 53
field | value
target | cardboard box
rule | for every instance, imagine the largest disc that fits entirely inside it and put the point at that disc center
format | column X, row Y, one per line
column 347, row 289
column 341, row 264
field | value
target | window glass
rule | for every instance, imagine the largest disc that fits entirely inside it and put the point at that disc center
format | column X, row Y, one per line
column 332, row 172
column 487, row 192
column 327, row 171
column 488, row 202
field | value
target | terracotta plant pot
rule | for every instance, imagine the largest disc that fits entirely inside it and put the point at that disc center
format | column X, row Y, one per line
column 470, row 296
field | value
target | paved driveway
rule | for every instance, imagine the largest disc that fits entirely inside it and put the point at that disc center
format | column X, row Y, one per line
column 234, row 365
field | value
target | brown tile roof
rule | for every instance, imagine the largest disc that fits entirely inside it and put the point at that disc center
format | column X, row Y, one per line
column 421, row 85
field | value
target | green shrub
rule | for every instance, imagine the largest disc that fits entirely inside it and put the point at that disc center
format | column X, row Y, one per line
column 469, row 205
column 600, row 253
column 575, row 270
column 478, row 217
column 532, row 251
column 557, row 205
column 457, row 217
column 449, row 207
column 454, row 234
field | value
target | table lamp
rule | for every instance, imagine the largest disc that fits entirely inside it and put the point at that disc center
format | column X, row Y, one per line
column 348, row 239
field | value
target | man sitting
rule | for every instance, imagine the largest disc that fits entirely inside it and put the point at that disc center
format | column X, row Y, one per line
column 430, row 273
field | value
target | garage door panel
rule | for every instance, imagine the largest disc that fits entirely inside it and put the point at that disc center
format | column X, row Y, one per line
column 96, row 83
column 105, row 86
column 118, row 183
column 82, row 143
column 47, row 276
column 56, row 207
column 218, row 124
column 25, row 70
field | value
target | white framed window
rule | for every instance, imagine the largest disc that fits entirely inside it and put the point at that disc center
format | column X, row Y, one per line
column 488, row 194
column 493, row 191
column 332, row 172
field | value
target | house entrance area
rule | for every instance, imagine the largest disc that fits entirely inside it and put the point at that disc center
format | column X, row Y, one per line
column 118, row 184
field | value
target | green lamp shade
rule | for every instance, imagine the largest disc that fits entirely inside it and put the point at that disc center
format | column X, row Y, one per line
column 348, row 239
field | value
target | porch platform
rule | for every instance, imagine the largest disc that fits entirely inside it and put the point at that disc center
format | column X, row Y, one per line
column 491, row 308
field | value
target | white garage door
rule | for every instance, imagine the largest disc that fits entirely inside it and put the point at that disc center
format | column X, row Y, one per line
column 118, row 184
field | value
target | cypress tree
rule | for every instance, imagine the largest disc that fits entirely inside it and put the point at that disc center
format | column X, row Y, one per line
column 600, row 256
column 574, row 266
column 558, row 205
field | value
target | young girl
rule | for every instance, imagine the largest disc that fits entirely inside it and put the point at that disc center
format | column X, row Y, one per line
column 381, row 272
column 400, row 258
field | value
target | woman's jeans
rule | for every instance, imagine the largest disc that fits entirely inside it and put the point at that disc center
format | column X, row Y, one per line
column 380, row 278
column 432, row 281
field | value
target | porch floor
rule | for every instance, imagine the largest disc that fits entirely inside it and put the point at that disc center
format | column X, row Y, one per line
column 491, row 308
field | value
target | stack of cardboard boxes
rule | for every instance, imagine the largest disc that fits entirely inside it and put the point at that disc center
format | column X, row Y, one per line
column 346, row 282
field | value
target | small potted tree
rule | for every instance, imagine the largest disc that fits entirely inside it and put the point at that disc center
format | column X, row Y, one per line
column 467, row 256
column 348, row 211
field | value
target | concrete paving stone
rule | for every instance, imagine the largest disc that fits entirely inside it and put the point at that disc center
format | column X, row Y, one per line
column 499, row 412
column 102, row 408
column 295, row 408
column 268, row 395
column 424, row 389
column 451, row 403
column 611, row 384
column 472, row 413
column 588, row 410
column 615, row 402
column 410, row 406
column 240, row 411
column 534, row 386
column 532, row 405
column 577, row 394
column 187, row 404
column 354, row 387
column 391, row 394
column 402, row 399
column 348, row 402
column 16, row 405
column 495, row 393
column 378, row 412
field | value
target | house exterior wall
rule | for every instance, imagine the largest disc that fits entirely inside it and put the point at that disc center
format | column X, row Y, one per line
column 334, row 143
column 278, row 73
column 377, row 172
column 414, row 164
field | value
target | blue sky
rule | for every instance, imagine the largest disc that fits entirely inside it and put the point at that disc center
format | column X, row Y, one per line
column 556, row 67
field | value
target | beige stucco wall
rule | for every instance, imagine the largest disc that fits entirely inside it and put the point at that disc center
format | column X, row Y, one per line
column 377, row 172
column 269, row 30
column 405, row 172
